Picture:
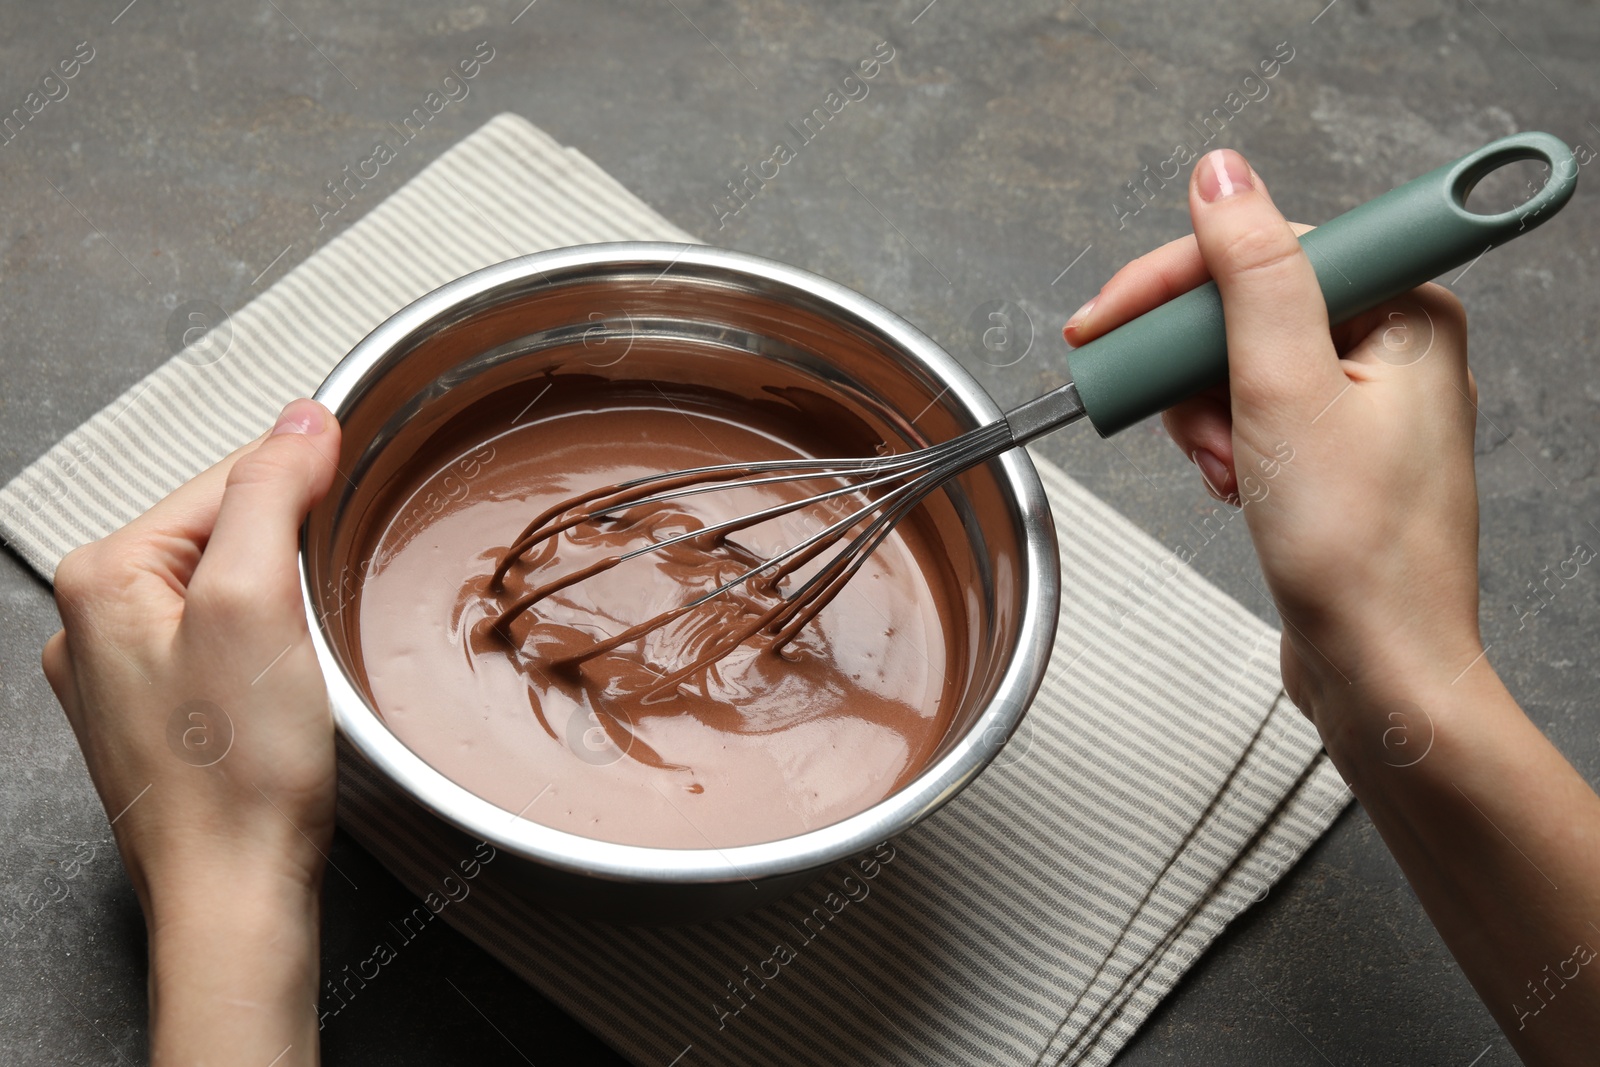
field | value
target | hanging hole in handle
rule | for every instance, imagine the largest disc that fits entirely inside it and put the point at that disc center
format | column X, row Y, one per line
column 1503, row 184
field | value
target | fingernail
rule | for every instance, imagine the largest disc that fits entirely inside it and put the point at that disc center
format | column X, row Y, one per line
column 1079, row 316
column 300, row 416
column 1214, row 473
column 1223, row 173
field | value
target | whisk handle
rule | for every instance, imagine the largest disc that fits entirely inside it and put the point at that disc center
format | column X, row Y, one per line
column 1369, row 254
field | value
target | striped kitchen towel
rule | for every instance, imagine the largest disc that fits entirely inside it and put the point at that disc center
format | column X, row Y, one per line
column 1159, row 785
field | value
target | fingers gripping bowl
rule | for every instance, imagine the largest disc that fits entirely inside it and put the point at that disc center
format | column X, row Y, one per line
column 617, row 319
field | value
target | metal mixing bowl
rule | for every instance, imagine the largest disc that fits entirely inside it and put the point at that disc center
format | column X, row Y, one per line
column 670, row 311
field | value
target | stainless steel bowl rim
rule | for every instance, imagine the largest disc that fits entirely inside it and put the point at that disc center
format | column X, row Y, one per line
column 365, row 730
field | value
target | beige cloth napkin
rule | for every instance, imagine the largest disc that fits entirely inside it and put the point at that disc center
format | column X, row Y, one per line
column 1159, row 785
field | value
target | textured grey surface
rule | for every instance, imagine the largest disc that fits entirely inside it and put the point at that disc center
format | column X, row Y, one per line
column 188, row 155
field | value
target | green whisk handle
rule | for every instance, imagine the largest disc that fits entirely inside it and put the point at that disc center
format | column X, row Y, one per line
column 1369, row 254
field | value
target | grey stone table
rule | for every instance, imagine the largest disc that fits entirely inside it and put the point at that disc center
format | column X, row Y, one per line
column 990, row 161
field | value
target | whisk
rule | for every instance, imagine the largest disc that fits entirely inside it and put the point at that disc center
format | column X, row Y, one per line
column 1370, row 254
column 891, row 487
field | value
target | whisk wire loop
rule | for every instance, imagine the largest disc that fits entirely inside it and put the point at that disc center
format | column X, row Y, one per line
column 906, row 480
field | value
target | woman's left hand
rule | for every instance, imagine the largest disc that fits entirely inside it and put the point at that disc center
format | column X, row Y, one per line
column 187, row 673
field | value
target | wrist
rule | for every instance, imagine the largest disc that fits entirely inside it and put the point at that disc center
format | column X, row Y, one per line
column 1411, row 719
column 224, row 891
column 1363, row 673
column 171, row 860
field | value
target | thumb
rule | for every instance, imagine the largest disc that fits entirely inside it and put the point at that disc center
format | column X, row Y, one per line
column 249, row 570
column 1282, row 367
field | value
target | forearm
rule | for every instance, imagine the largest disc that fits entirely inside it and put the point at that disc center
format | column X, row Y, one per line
column 1500, row 838
column 233, row 970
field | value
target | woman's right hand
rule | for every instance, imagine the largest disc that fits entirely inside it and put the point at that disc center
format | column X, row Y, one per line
column 1349, row 449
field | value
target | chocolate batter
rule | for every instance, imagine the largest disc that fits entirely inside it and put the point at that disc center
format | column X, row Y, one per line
column 761, row 744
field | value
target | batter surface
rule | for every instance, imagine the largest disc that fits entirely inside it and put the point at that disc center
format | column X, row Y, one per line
column 759, row 746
